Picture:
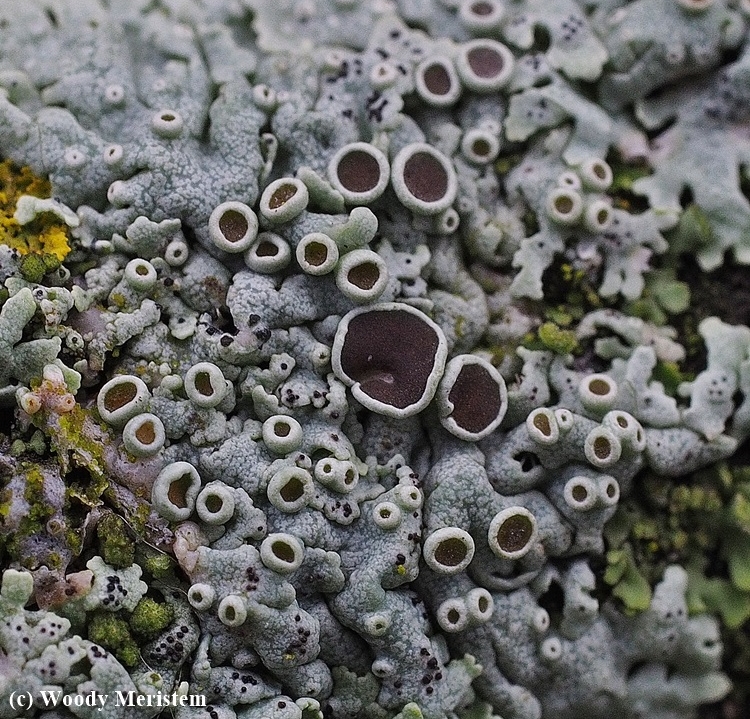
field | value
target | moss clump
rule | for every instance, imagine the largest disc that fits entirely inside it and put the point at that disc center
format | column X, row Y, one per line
column 45, row 235
column 624, row 175
column 664, row 522
column 692, row 233
column 663, row 297
column 569, row 294
column 113, row 633
column 556, row 339
column 17, row 448
column 671, row 376
column 627, row 583
column 150, row 618
column 34, row 266
column 115, row 544
column 155, row 563
column 702, row 524
column 36, row 444
column 74, row 540
column 54, row 560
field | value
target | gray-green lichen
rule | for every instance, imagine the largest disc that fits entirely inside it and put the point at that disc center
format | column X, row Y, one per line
column 340, row 400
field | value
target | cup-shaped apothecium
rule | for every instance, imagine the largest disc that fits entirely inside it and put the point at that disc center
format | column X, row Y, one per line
column 391, row 355
column 360, row 172
column 472, row 398
column 424, row 179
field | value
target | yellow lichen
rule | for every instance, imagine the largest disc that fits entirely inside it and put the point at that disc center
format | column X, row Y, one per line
column 44, row 235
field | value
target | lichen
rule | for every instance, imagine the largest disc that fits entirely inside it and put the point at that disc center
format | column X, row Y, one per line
column 353, row 361
column 45, row 242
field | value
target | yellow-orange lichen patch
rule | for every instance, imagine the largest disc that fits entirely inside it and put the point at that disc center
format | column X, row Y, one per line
column 45, row 235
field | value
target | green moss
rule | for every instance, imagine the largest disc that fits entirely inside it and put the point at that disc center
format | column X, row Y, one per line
column 140, row 516
column 73, row 438
column 4, row 507
column 74, row 540
column 35, row 266
column 663, row 297
column 37, row 443
column 157, row 564
column 505, row 163
column 671, row 522
column 33, row 522
column 736, row 549
column 672, row 295
column 118, row 300
column 715, row 595
column 551, row 337
column 38, row 511
column 135, row 512
column 150, row 618
column 703, row 524
column 560, row 316
column 30, row 563
column 34, row 482
column 670, row 375
column 557, row 340
column 693, row 231
column 410, row 711
column 739, row 511
column 628, row 584
column 569, row 294
column 113, row 633
column 115, row 544
column 624, row 175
